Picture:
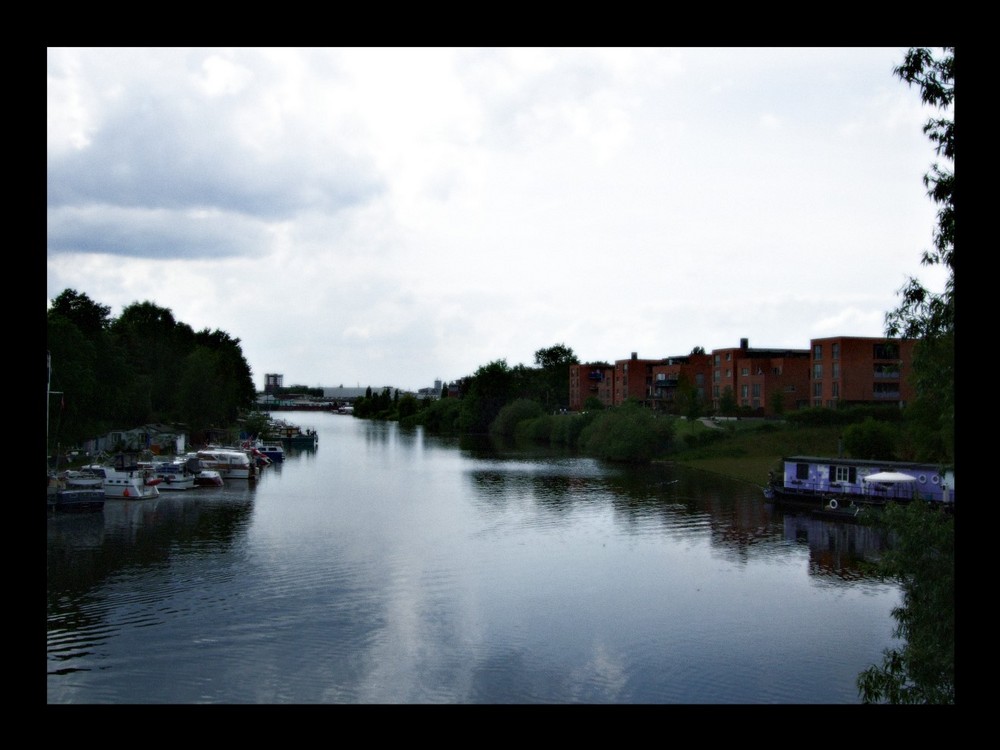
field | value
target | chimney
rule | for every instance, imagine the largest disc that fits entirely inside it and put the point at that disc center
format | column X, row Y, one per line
column 744, row 343
column 635, row 355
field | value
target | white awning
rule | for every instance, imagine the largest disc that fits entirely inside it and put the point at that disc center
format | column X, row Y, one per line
column 890, row 477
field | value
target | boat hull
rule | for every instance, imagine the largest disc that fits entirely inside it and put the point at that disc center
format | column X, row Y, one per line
column 80, row 500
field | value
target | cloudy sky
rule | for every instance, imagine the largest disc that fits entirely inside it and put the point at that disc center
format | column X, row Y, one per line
column 397, row 216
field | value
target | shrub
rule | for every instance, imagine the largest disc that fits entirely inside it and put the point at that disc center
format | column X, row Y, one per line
column 871, row 440
column 628, row 434
column 505, row 424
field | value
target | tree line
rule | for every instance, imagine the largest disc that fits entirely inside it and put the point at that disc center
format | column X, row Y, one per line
column 138, row 368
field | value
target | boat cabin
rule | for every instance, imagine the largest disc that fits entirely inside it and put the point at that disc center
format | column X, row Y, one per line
column 869, row 481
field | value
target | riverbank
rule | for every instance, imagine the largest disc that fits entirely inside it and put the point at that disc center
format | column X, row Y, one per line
column 748, row 449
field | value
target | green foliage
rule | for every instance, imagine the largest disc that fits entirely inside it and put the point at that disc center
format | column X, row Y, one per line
column 870, row 440
column 142, row 367
column 565, row 429
column 819, row 416
column 487, row 393
column 921, row 557
column 506, row 422
column 537, row 429
column 553, row 380
column 628, row 433
column 441, row 416
column 593, row 403
column 923, row 315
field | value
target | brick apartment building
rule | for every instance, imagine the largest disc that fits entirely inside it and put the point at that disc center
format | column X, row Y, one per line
column 857, row 370
column 766, row 381
column 594, row 379
column 840, row 369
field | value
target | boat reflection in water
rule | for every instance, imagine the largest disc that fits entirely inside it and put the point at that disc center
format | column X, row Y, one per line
column 837, row 548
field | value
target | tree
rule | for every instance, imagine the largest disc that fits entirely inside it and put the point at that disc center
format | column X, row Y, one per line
column 555, row 362
column 921, row 556
column 486, row 393
column 924, row 315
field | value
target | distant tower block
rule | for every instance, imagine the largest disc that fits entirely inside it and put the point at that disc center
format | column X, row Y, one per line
column 272, row 383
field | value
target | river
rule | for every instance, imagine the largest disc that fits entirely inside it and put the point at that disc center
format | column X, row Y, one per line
column 388, row 566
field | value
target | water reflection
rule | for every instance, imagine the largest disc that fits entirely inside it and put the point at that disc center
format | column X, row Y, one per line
column 668, row 499
column 397, row 567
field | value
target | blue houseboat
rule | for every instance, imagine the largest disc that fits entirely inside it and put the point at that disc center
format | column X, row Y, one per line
column 850, row 484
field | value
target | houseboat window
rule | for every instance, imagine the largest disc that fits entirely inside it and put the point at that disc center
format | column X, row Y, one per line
column 935, row 479
column 801, row 471
column 845, row 474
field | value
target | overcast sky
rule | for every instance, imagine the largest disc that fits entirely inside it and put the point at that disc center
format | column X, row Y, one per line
column 397, row 216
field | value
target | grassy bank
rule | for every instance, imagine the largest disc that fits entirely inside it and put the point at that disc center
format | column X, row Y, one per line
column 748, row 449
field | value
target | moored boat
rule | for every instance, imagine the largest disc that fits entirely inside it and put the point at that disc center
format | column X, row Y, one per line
column 65, row 499
column 231, row 463
column 848, row 486
column 126, row 480
column 173, row 472
column 280, row 431
column 203, row 477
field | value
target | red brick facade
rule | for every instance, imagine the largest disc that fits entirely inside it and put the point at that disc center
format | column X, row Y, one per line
column 768, row 382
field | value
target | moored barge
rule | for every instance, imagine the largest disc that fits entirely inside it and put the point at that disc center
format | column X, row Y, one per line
column 848, row 485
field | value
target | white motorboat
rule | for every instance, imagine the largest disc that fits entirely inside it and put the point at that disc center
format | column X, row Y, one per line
column 126, row 480
column 174, row 474
column 231, row 463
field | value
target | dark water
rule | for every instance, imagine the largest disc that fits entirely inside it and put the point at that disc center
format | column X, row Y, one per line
column 388, row 566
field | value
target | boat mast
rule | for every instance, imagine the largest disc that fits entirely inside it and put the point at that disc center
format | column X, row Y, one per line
column 48, row 396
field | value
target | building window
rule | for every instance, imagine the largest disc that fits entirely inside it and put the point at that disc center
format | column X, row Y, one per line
column 887, row 371
column 776, row 371
column 729, row 373
column 817, row 389
column 715, row 392
column 745, row 371
column 835, row 370
column 817, row 372
column 835, row 351
column 836, row 390
column 818, row 351
column 729, row 356
column 744, row 392
column 716, row 376
column 756, row 390
column 886, row 351
column 699, row 379
column 716, row 359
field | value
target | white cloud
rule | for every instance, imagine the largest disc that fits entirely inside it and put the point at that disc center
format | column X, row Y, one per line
column 384, row 215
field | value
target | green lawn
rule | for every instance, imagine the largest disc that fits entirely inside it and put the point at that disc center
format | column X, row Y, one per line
column 749, row 449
